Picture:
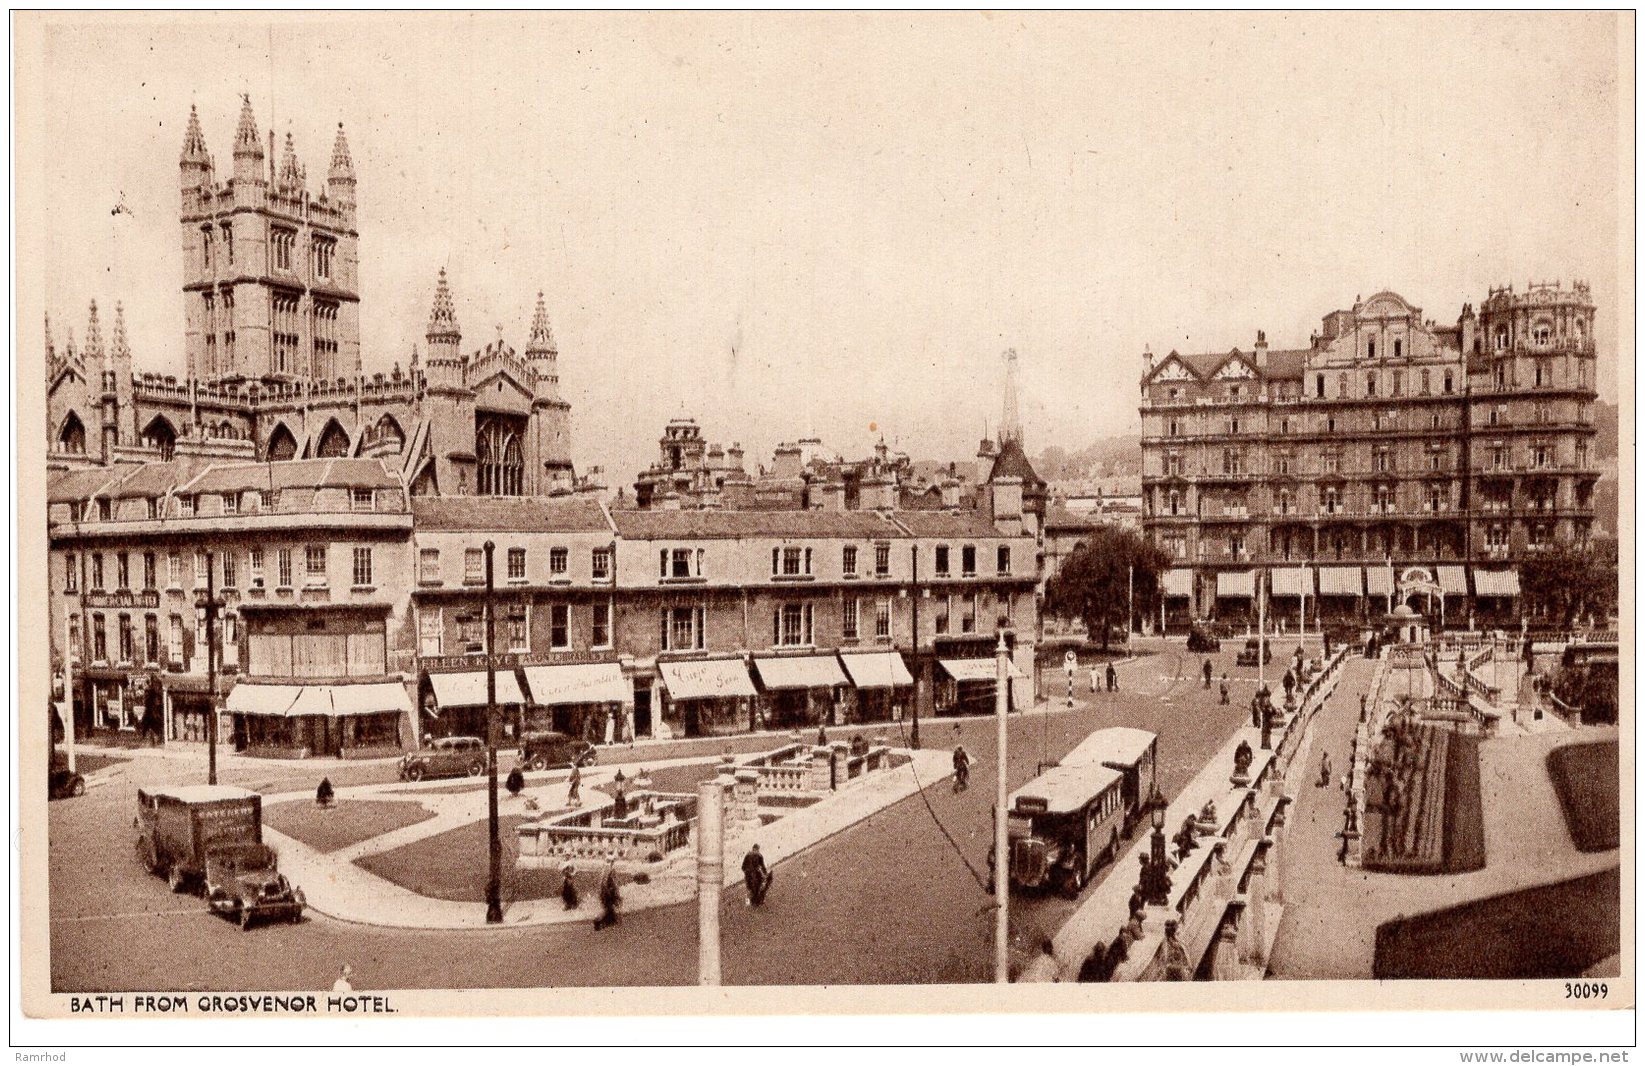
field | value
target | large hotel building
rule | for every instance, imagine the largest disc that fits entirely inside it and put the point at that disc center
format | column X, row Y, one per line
column 1389, row 455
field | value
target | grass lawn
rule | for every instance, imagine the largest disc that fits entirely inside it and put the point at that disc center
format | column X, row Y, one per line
column 1464, row 816
column 346, row 822
column 87, row 763
column 1586, row 777
column 1552, row 931
column 452, row 865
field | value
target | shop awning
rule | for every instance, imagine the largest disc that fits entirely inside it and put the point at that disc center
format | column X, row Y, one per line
column 800, row 671
column 1292, row 581
column 878, row 669
column 468, row 689
column 1452, row 579
column 1341, row 581
column 326, row 701
column 1240, row 583
column 1496, row 582
column 262, row 699
column 1380, row 579
column 706, row 679
column 577, row 683
column 977, row 669
column 1179, row 582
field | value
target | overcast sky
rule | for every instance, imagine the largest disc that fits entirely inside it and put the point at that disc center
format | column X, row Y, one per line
column 783, row 224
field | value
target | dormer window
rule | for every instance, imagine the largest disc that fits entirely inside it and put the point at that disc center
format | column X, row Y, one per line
column 231, row 503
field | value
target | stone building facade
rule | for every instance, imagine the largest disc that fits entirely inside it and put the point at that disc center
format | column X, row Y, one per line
column 1390, row 442
column 274, row 366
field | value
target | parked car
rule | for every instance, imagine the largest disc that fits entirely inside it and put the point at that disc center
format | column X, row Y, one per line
column 1248, row 654
column 243, row 882
column 542, row 751
column 446, row 757
column 63, row 781
column 211, row 836
column 1201, row 640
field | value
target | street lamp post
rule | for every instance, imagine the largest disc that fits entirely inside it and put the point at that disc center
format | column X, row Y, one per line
column 919, row 663
column 208, row 606
column 1156, row 880
column 1002, row 894
column 494, row 881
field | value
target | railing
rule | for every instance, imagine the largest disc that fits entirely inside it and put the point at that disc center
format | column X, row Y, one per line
column 661, row 824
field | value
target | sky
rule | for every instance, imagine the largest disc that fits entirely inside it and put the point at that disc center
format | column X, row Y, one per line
column 801, row 224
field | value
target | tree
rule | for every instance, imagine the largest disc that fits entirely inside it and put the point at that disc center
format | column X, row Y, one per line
column 1568, row 582
column 1093, row 581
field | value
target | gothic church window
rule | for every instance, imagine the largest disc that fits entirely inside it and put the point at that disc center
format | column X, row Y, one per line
column 333, row 442
column 72, row 437
column 281, row 445
column 501, row 460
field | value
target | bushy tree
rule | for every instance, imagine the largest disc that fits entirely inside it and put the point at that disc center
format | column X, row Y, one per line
column 1092, row 582
column 1566, row 583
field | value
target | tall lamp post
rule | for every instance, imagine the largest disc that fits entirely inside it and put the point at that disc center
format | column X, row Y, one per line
column 1002, row 882
column 208, row 605
column 494, row 881
column 1156, row 880
column 919, row 663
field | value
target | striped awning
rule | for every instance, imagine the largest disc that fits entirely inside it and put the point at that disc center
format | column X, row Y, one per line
column 1381, row 580
column 1292, row 581
column 1341, row 581
column 1240, row 583
column 1179, row 582
column 705, row 679
column 1496, row 582
column 1452, row 579
column 800, row 671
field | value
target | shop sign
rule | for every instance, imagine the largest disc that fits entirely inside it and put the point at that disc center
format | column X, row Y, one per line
column 438, row 664
column 149, row 600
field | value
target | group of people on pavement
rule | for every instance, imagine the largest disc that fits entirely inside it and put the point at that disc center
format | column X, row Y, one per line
column 1110, row 678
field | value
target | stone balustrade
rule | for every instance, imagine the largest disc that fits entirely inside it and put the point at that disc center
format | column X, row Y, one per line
column 657, row 824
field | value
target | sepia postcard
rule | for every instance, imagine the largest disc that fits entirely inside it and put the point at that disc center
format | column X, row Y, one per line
column 823, row 513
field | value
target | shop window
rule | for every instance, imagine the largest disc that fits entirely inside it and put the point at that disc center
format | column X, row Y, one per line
column 429, row 632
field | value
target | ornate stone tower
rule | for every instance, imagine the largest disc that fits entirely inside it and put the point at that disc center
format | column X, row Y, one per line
column 270, row 273
column 550, row 413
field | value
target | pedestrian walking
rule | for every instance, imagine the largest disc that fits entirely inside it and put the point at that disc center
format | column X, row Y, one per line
column 756, row 877
column 1207, row 672
column 1094, row 679
column 568, row 887
column 345, row 979
column 1225, row 687
column 1324, row 769
column 962, row 769
column 610, row 897
column 822, row 737
column 1113, row 678
column 574, row 791
column 325, row 794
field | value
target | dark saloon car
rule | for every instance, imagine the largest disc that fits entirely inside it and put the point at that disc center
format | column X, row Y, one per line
column 547, row 750
column 64, row 782
column 446, row 757
column 1201, row 640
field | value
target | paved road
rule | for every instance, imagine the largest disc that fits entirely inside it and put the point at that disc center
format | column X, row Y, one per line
column 890, row 901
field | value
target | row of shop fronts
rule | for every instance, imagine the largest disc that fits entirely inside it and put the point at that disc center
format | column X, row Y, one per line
column 1340, row 595
column 705, row 695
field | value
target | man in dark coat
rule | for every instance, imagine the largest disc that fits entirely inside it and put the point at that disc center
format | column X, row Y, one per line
column 1113, row 679
column 610, row 897
column 1207, row 672
column 756, row 878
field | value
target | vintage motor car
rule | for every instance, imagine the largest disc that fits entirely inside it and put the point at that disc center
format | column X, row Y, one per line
column 1248, row 654
column 1201, row 640
column 545, row 750
column 446, row 757
column 243, row 882
column 63, row 781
